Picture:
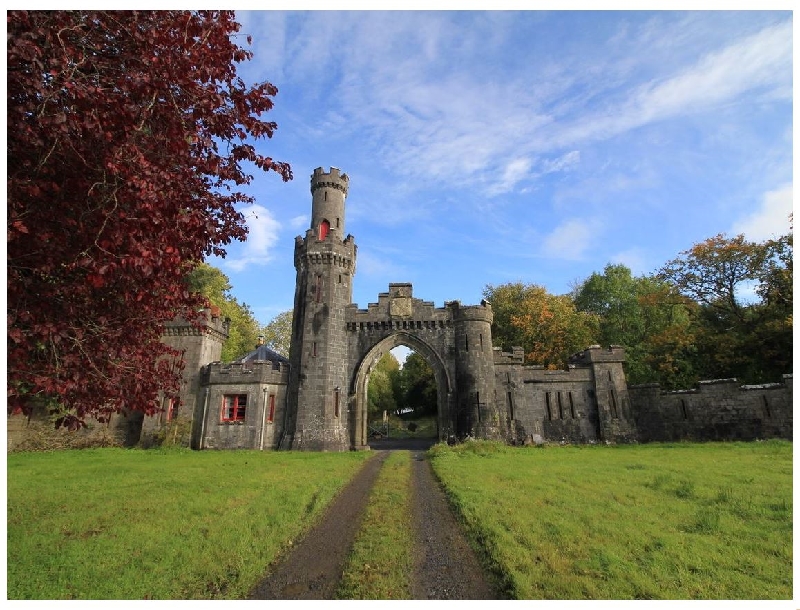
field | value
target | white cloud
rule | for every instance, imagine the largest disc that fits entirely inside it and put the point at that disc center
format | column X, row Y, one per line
column 762, row 61
column 261, row 237
column 634, row 259
column 771, row 219
column 561, row 163
column 570, row 239
column 299, row 222
column 516, row 170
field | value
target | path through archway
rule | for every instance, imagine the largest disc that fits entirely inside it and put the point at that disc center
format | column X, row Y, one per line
column 361, row 431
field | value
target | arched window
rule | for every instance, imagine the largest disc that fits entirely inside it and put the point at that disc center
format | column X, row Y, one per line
column 324, row 227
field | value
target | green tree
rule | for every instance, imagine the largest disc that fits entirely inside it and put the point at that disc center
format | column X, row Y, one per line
column 744, row 320
column 418, row 385
column 278, row 333
column 381, row 386
column 548, row 327
column 647, row 317
column 506, row 300
column 215, row 286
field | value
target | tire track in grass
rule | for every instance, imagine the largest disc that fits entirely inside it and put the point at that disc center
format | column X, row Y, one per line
column 446, row 566
column 313, row 568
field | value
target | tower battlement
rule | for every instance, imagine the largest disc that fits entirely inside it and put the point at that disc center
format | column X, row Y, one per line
column 332, row 179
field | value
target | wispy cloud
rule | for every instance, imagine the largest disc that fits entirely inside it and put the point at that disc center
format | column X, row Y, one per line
column 571, row 239
column 417, row 83
column 771, row 220
column 262, row 235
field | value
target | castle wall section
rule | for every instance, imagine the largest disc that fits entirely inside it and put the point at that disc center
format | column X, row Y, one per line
column 562, row 405
column 719, row 409
column 259, row 389
column 545, row 405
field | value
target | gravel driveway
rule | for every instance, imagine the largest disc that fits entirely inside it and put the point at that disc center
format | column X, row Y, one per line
column 445, row 565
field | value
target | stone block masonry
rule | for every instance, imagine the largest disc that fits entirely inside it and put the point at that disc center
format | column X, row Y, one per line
column 720, row 409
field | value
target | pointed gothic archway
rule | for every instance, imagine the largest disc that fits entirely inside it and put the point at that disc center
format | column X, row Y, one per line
column 359, row 382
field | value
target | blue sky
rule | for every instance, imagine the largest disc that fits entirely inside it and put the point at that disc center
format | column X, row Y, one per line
column 494, row 147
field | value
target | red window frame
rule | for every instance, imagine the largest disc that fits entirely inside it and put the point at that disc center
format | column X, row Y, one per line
column 172, row 408
column 271, row 415
column 234, row 407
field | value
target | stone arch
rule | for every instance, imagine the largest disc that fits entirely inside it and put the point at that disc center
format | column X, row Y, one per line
column 362, row 369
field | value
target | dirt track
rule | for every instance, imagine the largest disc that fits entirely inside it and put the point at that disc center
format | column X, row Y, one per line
column 445, row 564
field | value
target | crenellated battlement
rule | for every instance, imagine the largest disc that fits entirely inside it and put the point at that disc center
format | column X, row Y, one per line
column 333, row 179
column 595, row 353
column 471, row 313
column 211, row 324
column 259, row 371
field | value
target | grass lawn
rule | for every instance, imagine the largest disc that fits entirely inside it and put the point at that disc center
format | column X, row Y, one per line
column 132, row 524
column 680, row 521
column 656, row 521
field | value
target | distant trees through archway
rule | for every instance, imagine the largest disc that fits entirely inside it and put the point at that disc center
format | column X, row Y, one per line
column 403, row 384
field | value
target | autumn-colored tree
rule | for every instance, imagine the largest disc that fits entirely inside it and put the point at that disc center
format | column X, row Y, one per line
column 278, row 333
column 744, row 319
column 129, row 135
column 647, row 317
column 548, row 327
column 244, row 329
column 506, row 301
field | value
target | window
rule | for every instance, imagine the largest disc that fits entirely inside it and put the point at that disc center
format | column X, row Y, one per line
column 234, row 407
column 271, row 416
column 336, row 402
column 324, row 227
column 172, row 408
column 318, row 289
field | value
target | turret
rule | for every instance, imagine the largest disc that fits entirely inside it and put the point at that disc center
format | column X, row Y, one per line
column 328, row 192
column 477, row 409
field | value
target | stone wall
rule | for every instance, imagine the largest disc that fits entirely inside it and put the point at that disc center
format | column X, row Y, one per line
column 264, row 383
column 38, row 433
column 716, row 410
column 585, row 403
column 199, row 344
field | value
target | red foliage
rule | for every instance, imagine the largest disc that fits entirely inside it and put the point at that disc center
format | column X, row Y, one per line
column 127, row 136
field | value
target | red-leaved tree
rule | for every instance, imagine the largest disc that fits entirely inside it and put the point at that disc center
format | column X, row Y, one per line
column 129, row 134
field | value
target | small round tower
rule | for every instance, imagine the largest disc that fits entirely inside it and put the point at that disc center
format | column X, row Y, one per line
column 479, row 416
column 328, row 192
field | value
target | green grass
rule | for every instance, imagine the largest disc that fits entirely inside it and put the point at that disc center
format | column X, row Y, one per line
column 681, row 521
column 131, row 524
column 656, row 521
column 380, row 564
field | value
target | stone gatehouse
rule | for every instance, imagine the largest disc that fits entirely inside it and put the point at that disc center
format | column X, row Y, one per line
column 317, row 398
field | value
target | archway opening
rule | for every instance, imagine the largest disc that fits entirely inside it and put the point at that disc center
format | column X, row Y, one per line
column 402, row 397
column 402, row 392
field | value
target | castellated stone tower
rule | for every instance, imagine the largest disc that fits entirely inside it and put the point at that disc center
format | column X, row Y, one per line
column 325, row 263
column 475, row 377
